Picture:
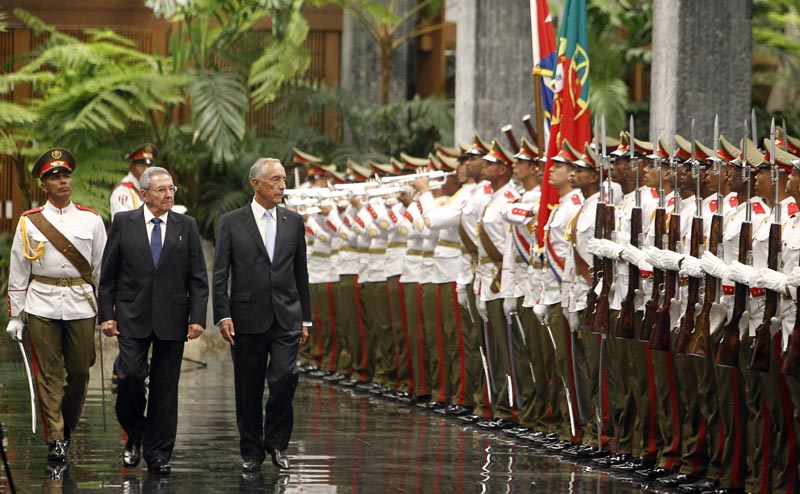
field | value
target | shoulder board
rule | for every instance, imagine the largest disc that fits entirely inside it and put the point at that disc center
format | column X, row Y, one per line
column 309, row 230
column 31, row 211
column 127, row 184
column 371, row 211
column 487, row 189
column 576, row 199
column 671, row 201
column 654, row 192
column 733, row 201
column 84, row 208
column 758, row 208
column 510, row 194
column 712, row 205
column 392, row 216
column 792, row 208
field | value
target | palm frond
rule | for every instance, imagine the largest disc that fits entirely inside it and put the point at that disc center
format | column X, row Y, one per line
column 219, row 102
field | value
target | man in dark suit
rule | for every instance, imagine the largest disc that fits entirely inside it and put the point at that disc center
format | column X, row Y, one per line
column 153, row 291
column 261, row 248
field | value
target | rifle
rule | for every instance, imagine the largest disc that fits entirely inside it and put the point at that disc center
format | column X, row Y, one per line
column 728, row 352
column 597, row 262
column 699, row 340
column 529, row 126
column 602, row 318
column 759, row 360
column 625, row 325
column 660, row 337
column 660, row 227
column 510, row 136
column 687, row 321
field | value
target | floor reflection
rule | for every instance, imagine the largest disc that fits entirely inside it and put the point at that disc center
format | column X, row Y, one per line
column 343, row 442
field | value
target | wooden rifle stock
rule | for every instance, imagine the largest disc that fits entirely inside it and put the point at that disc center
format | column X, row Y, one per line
column 791, row 360
column 660, row 339
column 651, row 307
column 687, row 321
column 531, row 131
column 602, row 317
column 700, row 338
column 728, row 352
column 512, row 141
column 625, row 325
column 760, row 359
column 597, row 270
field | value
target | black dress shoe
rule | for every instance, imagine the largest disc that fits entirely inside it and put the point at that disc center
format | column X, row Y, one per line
column 389, row 394
column 676, row 480
column 499, row 424
column 516, row 431
column 132, row 454
column 57, row 451
column 727, row 490
column 458, row 411
column 279, row 458
column 159, row 468
column 653, row 473
column 586, row 452
column 319, row 374
column 632, row 466
column 470, row 419
column 334, row 378
column 348, row 383
column 403, row 397
column 365, row 385
column 701, row 486
column 251, row 465
column 558, row 446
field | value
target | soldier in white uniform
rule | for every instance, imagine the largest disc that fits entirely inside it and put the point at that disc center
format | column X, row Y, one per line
column 126, row 196
column 59, row 300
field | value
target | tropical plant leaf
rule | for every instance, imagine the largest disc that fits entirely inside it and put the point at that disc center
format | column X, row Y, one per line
column 219, row 102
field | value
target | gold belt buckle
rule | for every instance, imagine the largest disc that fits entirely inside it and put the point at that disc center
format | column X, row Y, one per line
column 64, row 282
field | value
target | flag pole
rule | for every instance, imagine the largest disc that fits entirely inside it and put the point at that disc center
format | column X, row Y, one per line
column 537, row 87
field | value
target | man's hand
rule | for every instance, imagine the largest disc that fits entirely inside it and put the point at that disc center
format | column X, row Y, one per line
column 226, row 328
column 109, row 328
column 304, row 334
column 421, row 184
column 195, row 330
column 14, row 328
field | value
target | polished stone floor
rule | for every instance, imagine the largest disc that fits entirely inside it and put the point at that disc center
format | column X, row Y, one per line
column 343, row 442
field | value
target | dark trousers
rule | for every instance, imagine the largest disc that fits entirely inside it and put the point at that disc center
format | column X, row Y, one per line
column 158, row 428
column 271, row 355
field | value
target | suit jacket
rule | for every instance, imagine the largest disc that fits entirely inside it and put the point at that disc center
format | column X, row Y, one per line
column 146, row 299
column 261, row 289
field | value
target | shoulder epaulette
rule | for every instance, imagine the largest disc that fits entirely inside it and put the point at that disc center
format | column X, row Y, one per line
column 127, row 184
column 792, row 208
column 758, row 208
column 576, row 199
column 654, row 192
column 733, row 201
column 33, row 210
column 84, row 208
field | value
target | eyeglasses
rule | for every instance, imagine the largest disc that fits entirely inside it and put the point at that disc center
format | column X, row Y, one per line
column 163, row 190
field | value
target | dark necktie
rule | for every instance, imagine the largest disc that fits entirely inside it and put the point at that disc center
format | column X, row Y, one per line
column 155, row 240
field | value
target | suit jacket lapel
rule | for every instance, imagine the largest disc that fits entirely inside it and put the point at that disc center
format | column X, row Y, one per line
column 280, row 223
column 174, row 235
column 249, row 222
column 138, row 226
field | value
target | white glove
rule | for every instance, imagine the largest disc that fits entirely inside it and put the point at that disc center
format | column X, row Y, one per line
column 481, row 305
column 633, row 255
column 793, row 279
column 606, row 248
column 593, row 246
column 461, row 294
column 509, row 305
column 670, row 260
column 770, row 279
column 691, row 267
column 652, row 255
column 713, row 265
column 541, row 313
column 740, row 273
column 14, row 328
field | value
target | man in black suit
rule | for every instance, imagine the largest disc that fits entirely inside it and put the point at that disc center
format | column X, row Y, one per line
column 153, row 291
column 262, row 249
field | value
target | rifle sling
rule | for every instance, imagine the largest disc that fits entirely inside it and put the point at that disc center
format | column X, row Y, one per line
column 469, row 245
column 63, row 245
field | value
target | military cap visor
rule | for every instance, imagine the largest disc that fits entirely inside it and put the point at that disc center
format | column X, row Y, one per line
column 52, row 161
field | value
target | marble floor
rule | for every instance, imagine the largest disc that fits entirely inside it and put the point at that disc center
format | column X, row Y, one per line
column 343, row 441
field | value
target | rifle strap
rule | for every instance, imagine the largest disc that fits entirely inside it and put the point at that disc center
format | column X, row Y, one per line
column 469, row 245
column 63, row 245
column 493, row 253
column 581, row 266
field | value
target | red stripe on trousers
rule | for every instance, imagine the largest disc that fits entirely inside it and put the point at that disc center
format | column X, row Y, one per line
column 440, row 345
column 652, row 423
column 392, row 335
column 673, row 404
column 461, row 356
column 788, row 413
column 736, row 481
column 332, row 316
column 407, row 342
column 361, row 330
column 420, row 344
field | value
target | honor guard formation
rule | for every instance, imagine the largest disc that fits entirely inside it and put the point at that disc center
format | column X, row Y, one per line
column 649, row 328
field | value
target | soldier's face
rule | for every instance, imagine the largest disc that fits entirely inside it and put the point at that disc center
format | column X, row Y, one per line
column 710, row 179
column 559, row 174
column 687, row 179
column 582, row 178
column 462, row 172
column 58, row 185
column 522, row 169
column 650, row 175
column 764, row 184
column 793, row 185
column 735, row 179
column 474, row 166
column 137, row 168
column 619, row 170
